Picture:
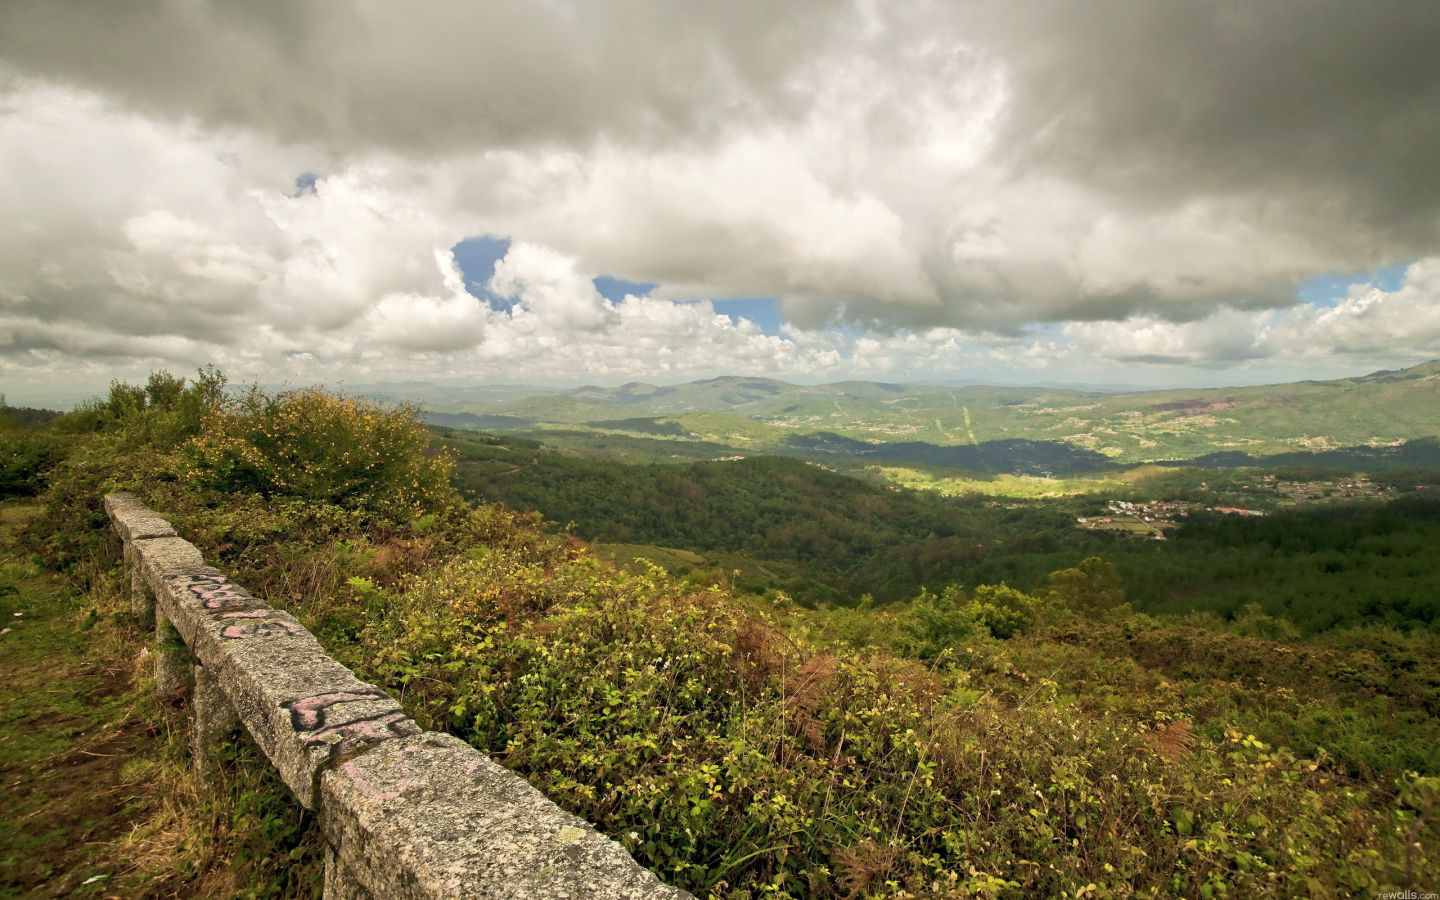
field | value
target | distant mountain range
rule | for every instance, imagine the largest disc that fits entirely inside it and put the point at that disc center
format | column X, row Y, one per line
column 708, row 395
column 985, row 427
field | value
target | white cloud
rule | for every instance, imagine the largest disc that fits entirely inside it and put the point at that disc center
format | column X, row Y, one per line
column 1370, row 323
column 1370, row 327
column 953, row 185
column 546, row 284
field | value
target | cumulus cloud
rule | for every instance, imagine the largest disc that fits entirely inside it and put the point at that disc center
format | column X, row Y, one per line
column 546, row 284
column 1370, row 326
column 192, row 257
column 1152, row 180
column 1371, row 323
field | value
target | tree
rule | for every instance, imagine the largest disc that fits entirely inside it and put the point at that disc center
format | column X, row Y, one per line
column 1091, row 588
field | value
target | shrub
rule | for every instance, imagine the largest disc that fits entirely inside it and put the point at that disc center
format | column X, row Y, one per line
column 25, row 457
column 735, row 760
column 321, row 447
column 1120, row 756
column 934, row 624
column 1091, row 588
column 26, row 451
column 162, row 414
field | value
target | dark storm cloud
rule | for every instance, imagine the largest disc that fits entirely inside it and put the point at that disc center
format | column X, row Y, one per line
column 1331, row 109
column 895, row 166
column 1333, row 103
column 422, row 75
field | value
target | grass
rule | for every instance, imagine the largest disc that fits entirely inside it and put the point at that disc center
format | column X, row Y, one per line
column 97, row 796
column 1017, row 486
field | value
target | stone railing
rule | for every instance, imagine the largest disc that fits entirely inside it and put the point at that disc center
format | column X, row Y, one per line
column 405, row 813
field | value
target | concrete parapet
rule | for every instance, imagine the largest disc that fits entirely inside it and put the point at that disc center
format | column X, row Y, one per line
column 302, row 707
column 406, row 814
column 431, row 816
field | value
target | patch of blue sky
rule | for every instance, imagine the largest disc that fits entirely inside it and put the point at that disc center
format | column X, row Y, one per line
column 305, row 184
column 1053, row 330
column 1330, row 288
column 763, row 311
column 477, row 258
column 617, row 289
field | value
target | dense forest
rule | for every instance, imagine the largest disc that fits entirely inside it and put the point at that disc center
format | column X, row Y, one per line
column 1319, row 567
column 845, row 537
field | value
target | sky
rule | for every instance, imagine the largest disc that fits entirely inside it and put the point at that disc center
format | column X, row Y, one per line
column 1153, row 192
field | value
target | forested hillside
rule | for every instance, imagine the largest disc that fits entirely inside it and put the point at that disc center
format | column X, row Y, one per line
column 1319, row 566
column 974, row 740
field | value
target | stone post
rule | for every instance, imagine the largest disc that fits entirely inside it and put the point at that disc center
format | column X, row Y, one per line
column 212, row 719
column 171, row 670
column 142, row 601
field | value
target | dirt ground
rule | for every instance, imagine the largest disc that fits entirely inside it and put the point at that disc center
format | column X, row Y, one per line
column 96, row 794
column 68, row 730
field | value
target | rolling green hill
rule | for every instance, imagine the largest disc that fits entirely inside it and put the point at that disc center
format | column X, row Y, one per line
column 903, row 422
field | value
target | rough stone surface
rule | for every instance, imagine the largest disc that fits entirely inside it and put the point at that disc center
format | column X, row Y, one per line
column 431, row 817
column 302, row 707
column 212, row 718
column 340, row 883
column 172, row 668
column 142, row 600
column 133, row 521
column 157, row 557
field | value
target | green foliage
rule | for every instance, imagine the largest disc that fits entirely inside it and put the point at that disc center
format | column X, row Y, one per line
column 1006, row 612
column 1092, row 588
column 1409, row 479
column 933, row 625
column 977, row 742
column 938, row 624
column 27, row 449
column 769, row 508
column 25, row 457
column 322, row 448
column 163, row 413
column 728, row 755
column 840, row 538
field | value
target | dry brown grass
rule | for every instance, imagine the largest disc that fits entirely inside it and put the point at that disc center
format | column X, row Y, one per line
column 803, row 693
column 862, row 866
column 1172, row 741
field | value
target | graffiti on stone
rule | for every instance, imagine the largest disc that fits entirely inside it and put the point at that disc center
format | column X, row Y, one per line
column 312, row 713
column 217, row 592
column 323, row 725
column 348, row 736
column 263, row 623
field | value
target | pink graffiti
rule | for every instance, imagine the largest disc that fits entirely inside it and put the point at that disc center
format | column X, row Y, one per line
column 364, row 786
column 258, row 629
column 370, row 790
column 215, row 591
column 310, row 713
column 377, row 729
column 348, row 736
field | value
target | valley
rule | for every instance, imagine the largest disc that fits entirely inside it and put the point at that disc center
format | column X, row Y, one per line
column 666, row 633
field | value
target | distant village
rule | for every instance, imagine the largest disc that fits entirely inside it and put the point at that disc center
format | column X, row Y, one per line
column 1151, row 519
